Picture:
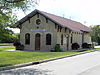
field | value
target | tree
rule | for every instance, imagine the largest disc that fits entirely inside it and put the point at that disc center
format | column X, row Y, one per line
column 95, row 34
column 6, row 7
column 7, row 18
column 6, row 35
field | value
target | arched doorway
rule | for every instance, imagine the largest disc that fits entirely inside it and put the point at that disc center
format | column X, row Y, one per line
column 37, row 41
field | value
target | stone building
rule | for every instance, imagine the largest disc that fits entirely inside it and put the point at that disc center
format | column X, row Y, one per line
column 42, row 31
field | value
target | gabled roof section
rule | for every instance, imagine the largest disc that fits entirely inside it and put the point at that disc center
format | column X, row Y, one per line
column 64, row 22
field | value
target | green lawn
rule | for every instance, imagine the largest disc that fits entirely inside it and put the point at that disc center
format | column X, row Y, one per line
column 6, row 43
column 7, row 48
column 8, row 58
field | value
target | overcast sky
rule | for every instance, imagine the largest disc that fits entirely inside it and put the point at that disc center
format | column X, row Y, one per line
column 84, row 11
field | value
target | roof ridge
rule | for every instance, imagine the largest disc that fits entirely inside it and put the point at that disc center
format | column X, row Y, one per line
column 64, row 19
column 64, row 22
column 59, row 16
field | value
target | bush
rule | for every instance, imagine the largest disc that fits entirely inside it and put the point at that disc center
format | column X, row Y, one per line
column 85, row 45
column 92, row 45
column 18, row 45
column 75, row 46
column 57, row 48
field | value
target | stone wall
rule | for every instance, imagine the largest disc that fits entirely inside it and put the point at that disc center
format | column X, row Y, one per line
column 32, row 27
column 87, row 38
column 77, row 38
column 48, row 26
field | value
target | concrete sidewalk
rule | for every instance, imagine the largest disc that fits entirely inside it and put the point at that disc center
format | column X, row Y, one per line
column 97, row 46
column 11, row 50
column 92, row 71
column 5, row 45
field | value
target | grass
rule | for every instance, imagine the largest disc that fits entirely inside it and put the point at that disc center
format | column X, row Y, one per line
column 8, row 58
column 6, row 43
column 92, row 49
column 7, row 48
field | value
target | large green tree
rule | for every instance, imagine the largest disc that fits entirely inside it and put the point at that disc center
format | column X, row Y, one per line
column 6, row 7
column 7, row 18
column 95, row 34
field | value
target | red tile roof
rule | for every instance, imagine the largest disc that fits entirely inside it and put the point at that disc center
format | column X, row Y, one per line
column 64, row 22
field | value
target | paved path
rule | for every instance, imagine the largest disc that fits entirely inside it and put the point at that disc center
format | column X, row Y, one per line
column 97, row 46
column 92, row 71
column 6, row 45
column 85, row 64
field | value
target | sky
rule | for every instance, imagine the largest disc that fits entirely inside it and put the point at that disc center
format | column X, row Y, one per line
column 85, row 11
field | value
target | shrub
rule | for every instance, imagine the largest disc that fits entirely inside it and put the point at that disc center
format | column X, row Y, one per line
column 18, row 45
column 92, row 45
column 75, row 46
column 85, row 45
column 57, row 48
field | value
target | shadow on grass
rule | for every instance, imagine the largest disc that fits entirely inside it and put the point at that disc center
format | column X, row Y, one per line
column 23, row 71
column 3, row 65
column 2, row 50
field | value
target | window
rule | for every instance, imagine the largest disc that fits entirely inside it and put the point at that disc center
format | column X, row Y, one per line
column 65, row 29
column 38, row 21
column 27, row 38
column 48, row 39
column 58, row 29
column 29, row 20
column 71, row 41
column 46, row 20
column 55, row 25
column 62, row 39
column 37, row 35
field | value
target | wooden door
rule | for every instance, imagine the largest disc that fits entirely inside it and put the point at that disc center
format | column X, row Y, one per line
column 37, row 41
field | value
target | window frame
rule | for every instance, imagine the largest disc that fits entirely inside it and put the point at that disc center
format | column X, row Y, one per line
column 62, row 39
column 27, row 39
column 38, row 21
column 48, row 39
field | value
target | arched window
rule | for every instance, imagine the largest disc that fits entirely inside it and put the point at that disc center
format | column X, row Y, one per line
column 62, row 39
column 27, row 38
column 48, row 39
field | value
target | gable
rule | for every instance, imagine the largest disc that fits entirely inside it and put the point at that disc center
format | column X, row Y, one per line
column 63, row 22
